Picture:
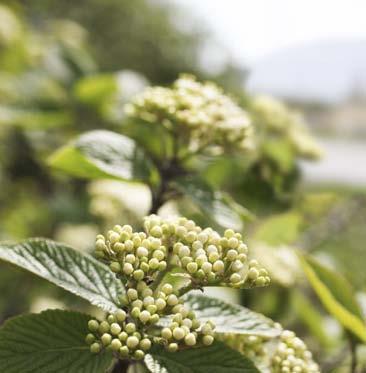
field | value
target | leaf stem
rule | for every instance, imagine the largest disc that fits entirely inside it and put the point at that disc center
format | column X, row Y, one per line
column 353, row 351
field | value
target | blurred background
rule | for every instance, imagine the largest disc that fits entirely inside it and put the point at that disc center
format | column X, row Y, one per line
column 69, row 66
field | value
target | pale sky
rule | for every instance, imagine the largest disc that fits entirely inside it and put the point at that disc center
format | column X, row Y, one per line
column 252, row 29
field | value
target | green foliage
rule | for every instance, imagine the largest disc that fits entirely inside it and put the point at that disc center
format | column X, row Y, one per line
column 231, row 318
column 96, row 89
column 75, row 272
column 52, row 341
column 217, row 358
column 217, row 207
column 280, row 229
column 337, row 296
column 95, row 155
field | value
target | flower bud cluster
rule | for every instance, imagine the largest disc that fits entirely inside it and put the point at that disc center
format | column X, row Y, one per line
column 119, row 335
column 251, row 346
column 198, row 109
column 292, row 356
column 276, row 119
column 207, row 257
column 132, row 255
column 185, row 329
column 141, row 260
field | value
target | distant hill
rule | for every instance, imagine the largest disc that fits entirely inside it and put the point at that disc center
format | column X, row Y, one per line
column 327, row 71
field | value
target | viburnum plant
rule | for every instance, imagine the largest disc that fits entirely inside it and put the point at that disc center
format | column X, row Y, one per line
column 141, row 280
column 149, row 280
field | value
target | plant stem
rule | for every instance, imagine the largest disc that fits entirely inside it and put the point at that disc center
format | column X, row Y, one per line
column 121, row 366
column 353, row 350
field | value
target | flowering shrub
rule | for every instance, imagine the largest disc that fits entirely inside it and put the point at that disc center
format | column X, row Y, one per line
column 148, row 280
column 149, row 312
column 199, row 112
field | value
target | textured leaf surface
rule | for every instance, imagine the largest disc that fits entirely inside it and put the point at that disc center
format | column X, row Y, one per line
column 52, row 341
column 76, row 272
column 337, row 296
column 97, row 154
column 231, row 318
column 216, row 206
column 217, row 358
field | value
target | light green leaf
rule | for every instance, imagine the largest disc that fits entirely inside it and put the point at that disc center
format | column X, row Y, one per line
column 96, row 89
column 49, row 342
column 231, row 318
column 31, row 119
column 217, row 358
column 75, row 272
column 336, row 294
column 280, row 229
column 311, row 318
column 218, row 207
column 97, row 154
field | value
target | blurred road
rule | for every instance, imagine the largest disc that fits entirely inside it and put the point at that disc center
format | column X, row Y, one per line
column 344, row 162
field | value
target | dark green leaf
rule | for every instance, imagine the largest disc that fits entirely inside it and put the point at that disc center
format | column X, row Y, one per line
column 97, row 154
column 217, row 358
column 216, row 206
column 231, row 318
column 49, row 342
column 336, row 294
column 78, row 273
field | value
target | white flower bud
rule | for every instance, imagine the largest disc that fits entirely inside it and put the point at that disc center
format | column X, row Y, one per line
column 132, row 294
column 207, row 267
column 142, row 251
column 145, row 344
column 231, row 255
column 130, row 258
column 167, row 289
column 172, row 347
column 190, row 339
column 218, row 266
column 160, row 304
column 178, row 333
column 253, row 273
column 130, row 328
column 115, row 329
column 166, row 333
column 113, row 237
column 235, row 278
column 106, row 339
column 127, row 268
column 159, row 255
column 172, row 300
column 148, row 301
column 144, row 316
column 116, row 344
column 153, row 263
column 192, row 267
column 132, row 342
column 233, row 242
column 207, row 340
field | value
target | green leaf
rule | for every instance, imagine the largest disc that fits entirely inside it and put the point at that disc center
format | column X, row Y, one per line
column 97, row 154
column 75, row 272
column 280, row 152
column 31, row 119
column 52, row 341
column 218, row 207
column 311, row 318
column 96, row 89
column 280, row 229
column 217, row 358
column 336, row 294
column 231, row 318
